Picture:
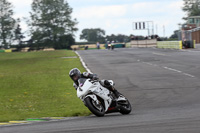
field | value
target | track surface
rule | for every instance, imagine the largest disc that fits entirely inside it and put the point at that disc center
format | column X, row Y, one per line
column 162, row 85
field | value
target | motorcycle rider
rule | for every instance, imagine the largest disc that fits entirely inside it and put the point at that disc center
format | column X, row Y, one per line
column 75, row 75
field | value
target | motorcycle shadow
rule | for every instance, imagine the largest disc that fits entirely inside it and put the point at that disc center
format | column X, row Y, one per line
column 111, row 115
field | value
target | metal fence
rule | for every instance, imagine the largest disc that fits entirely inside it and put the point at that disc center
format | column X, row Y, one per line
column 185, row 35
column 190, row 35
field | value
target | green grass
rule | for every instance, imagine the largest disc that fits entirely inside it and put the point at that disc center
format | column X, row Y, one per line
column 37, row 84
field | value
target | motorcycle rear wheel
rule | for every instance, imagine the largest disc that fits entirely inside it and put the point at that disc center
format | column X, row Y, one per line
column 126, row 108
column 97, row 110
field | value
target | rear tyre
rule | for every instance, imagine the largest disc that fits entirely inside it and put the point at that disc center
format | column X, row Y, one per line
column 125, row 108
column 97, row 110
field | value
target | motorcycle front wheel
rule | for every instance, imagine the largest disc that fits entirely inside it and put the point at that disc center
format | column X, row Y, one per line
column 96, row 109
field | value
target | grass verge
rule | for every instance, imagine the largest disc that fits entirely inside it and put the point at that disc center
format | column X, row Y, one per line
column 37, row 84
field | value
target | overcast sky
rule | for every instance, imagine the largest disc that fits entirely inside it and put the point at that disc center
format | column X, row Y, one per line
column 117, row 16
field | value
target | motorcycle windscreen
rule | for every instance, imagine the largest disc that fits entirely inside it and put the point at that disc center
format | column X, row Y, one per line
column 84, row 87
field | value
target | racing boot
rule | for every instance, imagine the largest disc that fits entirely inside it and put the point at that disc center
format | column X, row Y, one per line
column 115, row 92
column 119, row 96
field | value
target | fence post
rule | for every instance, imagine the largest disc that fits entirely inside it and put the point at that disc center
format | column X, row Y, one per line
column 194, row 43
column 146, row 43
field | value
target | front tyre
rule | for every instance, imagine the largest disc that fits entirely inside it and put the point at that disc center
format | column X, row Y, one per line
column 125, row 107
column 97, row 110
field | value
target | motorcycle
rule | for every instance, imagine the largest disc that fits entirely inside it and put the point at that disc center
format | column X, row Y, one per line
column 99, row 100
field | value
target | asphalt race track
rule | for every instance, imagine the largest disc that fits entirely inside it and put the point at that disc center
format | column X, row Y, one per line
column 163, row 87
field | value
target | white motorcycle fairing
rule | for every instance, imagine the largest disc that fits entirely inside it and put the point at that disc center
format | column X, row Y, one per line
column 91, row 89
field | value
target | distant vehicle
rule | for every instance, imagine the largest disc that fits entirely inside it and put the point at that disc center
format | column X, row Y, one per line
column 115, row 45
column 119, row 45
column 99, row 100
column 86, row 47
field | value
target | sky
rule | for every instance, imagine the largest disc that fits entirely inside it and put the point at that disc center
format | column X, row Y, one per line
column 117, row 16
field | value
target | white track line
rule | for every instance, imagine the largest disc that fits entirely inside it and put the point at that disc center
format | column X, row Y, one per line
column 173, row 69
column 190, row 51
column 189, row 75
column 149, row 63
column 178, row 71
column 83, row 63
column 160, row 54
column 168, row 68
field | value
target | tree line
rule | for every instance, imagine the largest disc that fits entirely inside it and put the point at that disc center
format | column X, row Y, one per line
column 191, row 7
column 50, row 25
column 94, row 35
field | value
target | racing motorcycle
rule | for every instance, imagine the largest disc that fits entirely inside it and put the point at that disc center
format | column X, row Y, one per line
column 99, row 100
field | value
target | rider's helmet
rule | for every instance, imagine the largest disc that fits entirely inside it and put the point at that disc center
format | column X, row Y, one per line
column 75, row 74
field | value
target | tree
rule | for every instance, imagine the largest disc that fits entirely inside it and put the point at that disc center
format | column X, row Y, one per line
column 192, row 7
column 7, row 23
column 65, row 42
column 50, row 21
column 93, row 35
column 118, row 38
column 175, row 35
column 18, row 33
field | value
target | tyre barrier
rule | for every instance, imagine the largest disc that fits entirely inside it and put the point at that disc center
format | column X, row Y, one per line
column 170, row 44
column 6, row 51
